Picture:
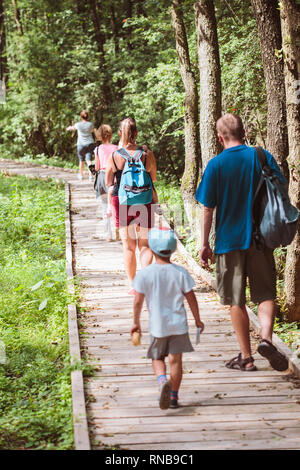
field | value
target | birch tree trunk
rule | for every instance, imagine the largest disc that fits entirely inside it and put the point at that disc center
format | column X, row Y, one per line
column 191, row 117
column 210, row 78
column 269, row 30
column 290, row 23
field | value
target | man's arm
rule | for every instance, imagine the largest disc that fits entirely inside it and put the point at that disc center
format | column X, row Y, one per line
column 206, row 253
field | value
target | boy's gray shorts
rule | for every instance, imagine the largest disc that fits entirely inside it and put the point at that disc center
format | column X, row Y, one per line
column 175, row 344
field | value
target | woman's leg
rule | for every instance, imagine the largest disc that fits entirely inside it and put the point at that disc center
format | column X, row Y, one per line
column 146, row 255
column 88, row 159
column 115, row 214
column 128, row 238
column 107, row 225
column 81, row 168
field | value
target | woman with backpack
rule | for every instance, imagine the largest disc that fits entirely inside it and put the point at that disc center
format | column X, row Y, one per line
column 131, row 170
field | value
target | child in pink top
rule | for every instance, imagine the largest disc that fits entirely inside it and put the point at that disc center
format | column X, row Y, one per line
column 102, row 153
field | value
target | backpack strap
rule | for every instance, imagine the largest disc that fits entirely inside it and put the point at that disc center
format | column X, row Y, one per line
column 126, row 155
column 123, row 152
column 113, row 158
column 261, row 157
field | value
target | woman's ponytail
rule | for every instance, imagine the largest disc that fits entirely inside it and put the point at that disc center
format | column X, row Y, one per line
column 129, row 131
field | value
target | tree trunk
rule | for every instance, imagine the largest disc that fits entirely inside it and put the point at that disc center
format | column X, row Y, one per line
column 114, row 28
column 98, row 34
column 269, row 30
column 3, row 58
column 100, row 40
column 290, row 23
column 210, row 78
column 128, row 30
column 191, row 117
column 17, row 17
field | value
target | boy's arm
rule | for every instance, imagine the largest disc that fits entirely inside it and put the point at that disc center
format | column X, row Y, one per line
column 193, row 304
column 137, row 308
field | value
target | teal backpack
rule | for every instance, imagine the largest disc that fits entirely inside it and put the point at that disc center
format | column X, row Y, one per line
column 136, row 184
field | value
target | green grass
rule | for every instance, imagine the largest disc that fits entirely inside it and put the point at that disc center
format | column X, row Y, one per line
column 35, row 389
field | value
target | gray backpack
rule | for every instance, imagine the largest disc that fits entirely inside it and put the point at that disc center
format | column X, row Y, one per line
column 274, row 218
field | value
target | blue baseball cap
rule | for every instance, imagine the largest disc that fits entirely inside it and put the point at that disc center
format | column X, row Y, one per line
column 162, row 241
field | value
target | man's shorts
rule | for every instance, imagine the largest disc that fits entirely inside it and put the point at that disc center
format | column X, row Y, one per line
column 175, row 344
column 235, row 267
column 142, row 214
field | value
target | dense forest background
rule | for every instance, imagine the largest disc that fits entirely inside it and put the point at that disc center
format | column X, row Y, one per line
column 170, row 64
column 117, row 59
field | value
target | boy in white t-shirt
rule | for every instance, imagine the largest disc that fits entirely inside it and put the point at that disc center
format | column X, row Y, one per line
column 165, row 286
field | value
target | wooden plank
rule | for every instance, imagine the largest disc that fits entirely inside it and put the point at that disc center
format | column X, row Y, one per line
column 261, row 418
column 110, row 426
column 201, row 435
column 233, row 409
column 191, row 387
column 268, row 444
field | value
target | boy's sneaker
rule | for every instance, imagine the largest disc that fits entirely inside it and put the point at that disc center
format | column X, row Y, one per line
column 174, row 403
column 164, row 397
column 80, row 177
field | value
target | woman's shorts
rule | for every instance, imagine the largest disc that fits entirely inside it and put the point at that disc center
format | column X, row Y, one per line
column 140, row 215
column 235, row 267
column 175, row 344
column 83, row 153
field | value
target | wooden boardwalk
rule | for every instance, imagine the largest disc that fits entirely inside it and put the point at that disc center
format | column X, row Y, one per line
column 221, row 409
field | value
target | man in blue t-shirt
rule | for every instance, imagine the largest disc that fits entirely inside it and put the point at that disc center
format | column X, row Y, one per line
column 228, row 185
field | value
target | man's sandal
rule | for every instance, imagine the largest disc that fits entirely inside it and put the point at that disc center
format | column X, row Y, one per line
column 277, row 360
column 238, row 363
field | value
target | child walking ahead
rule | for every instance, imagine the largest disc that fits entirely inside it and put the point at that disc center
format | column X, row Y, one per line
column 165, row 285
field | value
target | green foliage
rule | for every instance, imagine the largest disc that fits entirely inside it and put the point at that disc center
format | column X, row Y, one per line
column 243, row 81
column 56, row 68
column 35, row 390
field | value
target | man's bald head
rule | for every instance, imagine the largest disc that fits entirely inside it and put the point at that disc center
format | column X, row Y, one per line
column 230, row 127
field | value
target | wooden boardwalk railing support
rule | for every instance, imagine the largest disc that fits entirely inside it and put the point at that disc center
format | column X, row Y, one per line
column 81, row 434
